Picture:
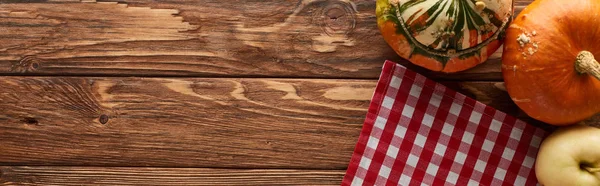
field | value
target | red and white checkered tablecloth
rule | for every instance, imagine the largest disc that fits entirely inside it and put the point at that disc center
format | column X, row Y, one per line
column 418, row 132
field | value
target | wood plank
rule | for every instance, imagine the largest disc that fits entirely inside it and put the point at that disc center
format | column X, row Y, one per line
column 244, row 123
column 20, row 175
column 192, row 122
column 202, row 38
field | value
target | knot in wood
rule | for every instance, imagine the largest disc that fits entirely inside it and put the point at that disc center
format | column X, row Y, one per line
column 30, row 121
column 26, row 64
column 335, row 13
column 337, row 18
column 103, row 119
column 35, row 65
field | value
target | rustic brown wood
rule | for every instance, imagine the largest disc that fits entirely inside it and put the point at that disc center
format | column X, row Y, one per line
column 20, row 175
column 291, row 38
column 191, row 122
column 266, row 123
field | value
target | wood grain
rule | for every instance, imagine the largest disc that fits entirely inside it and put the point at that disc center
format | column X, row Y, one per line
column 266, row 123
column 20, row 175
column 192, row 122
column 200, row 38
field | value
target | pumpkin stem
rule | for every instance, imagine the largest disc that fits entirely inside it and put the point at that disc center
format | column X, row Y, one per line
column 587, row 64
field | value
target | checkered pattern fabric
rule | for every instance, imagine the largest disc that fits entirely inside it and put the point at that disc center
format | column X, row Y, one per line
column 418, row 132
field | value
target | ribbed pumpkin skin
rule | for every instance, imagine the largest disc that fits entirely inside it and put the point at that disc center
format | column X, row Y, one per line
column 538, row 61
column 444, row 35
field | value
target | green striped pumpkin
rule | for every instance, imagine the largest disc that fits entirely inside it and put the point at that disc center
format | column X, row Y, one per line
column 444, row 35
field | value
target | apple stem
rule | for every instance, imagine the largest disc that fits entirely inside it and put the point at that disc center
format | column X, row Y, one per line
column 592, row 169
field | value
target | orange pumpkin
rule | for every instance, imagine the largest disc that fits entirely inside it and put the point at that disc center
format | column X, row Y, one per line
column 444, row 35
column 548, row 61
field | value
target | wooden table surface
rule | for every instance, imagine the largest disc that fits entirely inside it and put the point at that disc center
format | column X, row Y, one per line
column 195, row 91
